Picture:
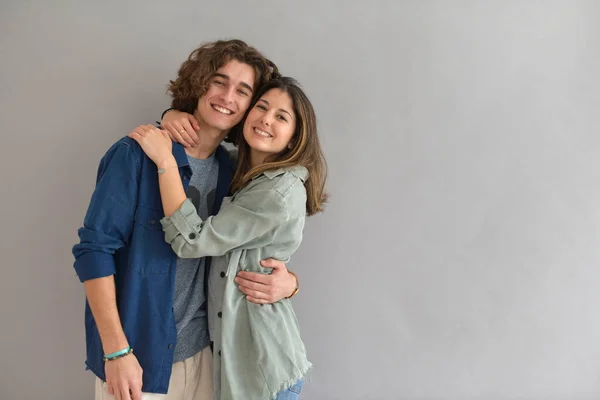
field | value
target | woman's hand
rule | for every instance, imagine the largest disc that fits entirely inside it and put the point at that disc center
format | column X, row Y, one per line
column 156, row 144
column 181, row 127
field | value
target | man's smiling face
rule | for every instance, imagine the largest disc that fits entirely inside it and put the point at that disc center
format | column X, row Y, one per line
column 228, row 96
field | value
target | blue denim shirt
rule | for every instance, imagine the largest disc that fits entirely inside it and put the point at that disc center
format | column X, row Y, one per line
column 122, row 236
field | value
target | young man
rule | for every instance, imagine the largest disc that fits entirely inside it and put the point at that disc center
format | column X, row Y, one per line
column 146, row 320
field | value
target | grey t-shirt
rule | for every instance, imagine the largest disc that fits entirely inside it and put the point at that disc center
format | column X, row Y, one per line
column 189, row 301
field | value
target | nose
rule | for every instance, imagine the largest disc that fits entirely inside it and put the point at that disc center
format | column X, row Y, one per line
column 228, row 94
column 266, row 119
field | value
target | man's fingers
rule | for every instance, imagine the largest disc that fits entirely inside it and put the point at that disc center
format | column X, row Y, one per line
column 257, row 301
column 255, row 277
column 125, row 395
column 136, row 389
column 136, row 393
column 256, row 294
column 110, row 389
column 272, row 263
column 249, row 285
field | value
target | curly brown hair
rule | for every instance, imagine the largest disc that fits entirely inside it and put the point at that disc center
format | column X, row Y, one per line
column 196, row 72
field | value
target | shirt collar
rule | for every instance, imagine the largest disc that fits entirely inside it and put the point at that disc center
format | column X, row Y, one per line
column 180, row 155
column 297, row 170
column 182, row 159
column 224, row 159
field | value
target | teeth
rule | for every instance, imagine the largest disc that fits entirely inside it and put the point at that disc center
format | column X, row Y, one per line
column 222, row 110
column 262, row 133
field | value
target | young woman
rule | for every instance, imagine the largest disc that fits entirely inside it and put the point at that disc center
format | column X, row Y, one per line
column 279, row 180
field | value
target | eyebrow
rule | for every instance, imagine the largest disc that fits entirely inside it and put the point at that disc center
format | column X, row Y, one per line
column 244, row 84
column 281, row 109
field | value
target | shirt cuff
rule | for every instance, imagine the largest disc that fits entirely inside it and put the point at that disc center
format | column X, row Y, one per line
column 183, row 222
column 94, row 265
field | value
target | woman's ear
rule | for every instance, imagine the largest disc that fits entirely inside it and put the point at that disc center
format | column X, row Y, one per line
column 292, row 142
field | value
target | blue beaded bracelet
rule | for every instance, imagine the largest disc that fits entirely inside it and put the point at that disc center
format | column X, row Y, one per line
column 117, row 354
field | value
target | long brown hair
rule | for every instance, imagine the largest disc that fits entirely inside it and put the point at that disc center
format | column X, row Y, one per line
column 306, row 148
column 196, row 72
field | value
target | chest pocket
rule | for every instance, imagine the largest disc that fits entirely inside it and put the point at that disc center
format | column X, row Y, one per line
column 148, row 218
column 156, row 257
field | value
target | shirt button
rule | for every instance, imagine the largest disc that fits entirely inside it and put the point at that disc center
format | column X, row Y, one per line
column 220, row 314
column 222, row 274
column 192, row 236
column 153, row 222
column 170, row 346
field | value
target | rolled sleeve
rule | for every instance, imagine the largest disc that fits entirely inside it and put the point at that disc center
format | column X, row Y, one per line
column 109, row 219
column 94, row 265
column 248, row 222
column 182, row 222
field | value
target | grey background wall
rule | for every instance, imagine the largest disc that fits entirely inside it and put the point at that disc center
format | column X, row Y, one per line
column 459, row 256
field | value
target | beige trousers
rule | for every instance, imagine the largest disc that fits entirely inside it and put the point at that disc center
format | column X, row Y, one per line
column 191, row 379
